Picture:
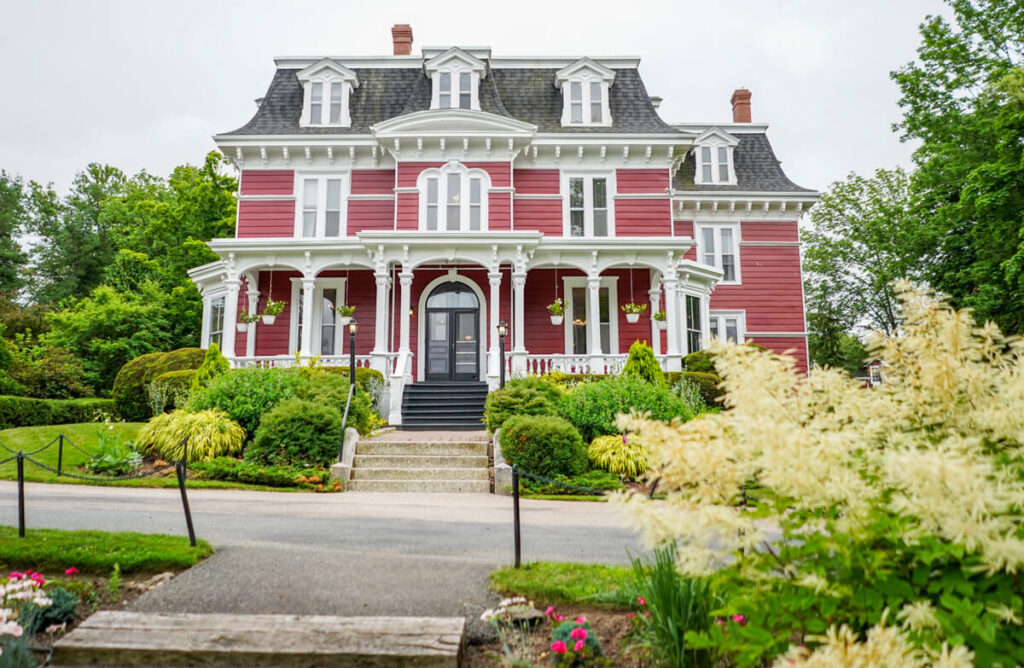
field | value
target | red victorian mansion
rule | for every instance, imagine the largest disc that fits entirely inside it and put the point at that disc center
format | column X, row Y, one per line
column 442, row 193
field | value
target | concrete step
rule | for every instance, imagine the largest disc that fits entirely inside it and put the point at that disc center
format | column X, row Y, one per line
column 439, row 486
column 420, row 473
column 414, row 447
column 417, row 461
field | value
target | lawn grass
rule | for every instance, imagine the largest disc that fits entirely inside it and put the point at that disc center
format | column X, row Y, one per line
column 51, row 551
column 84, row 435
column 547, row 582
column 564, row 497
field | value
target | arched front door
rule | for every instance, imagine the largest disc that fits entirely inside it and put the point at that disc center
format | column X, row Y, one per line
column 452, row 334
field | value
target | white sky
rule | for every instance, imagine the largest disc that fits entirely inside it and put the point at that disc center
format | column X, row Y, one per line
column 144, row 84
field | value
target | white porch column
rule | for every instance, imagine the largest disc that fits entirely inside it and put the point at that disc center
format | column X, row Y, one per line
column 518, row 323
column 405, row 280
column 230, row 317
column 670, row 284
column 308, row 290
column 494, row 279
column 654, row 295
column 253, row 294
column 594, row 324
column 378, row 357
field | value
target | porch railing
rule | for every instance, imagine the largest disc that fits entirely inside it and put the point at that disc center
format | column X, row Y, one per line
column 541, row 365
column 288, row 361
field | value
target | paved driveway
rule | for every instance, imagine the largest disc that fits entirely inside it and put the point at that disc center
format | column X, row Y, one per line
column 347, row 554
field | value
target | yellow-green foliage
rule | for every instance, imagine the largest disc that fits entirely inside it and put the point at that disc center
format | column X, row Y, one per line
column 853, row 487
column 210, row 433
column 616, row 454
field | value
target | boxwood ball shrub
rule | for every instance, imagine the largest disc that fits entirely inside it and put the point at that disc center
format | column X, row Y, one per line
column 297, row 433
column 130, row 386
column 516, row 400
column 209, row 433
column 593, row 407
column 642, row 363
column 246, row 394
column 543, row 444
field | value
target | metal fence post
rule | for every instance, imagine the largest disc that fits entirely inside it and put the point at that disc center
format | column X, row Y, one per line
column 180, row 469
column 21, row 494
column 60, row 454
column 515, row 512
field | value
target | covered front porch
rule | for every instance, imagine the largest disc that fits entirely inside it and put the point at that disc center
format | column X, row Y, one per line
column 429, row 307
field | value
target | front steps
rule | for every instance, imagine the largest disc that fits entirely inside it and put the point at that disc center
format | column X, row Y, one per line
column 419, row 466
column 443, row 406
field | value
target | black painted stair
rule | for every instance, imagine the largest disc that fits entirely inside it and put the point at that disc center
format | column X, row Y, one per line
column 448, row 405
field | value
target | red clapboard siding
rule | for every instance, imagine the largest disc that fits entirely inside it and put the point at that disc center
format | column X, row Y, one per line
column 771, row 293
column 684, row 228
column 407, row 211
column 500, row 172
column 373, row 182
column 641, row 329
column 537, row 181
column 273, row 339
column 543, row 338
column 361, row 292
column 769, row 231
column 544, row 215
column 796, row 347
column 266, row 218
column 643, row 217
column 641, row 180
column 370, row 215
column 408, row 172
column 267, row 182
column 499, row 212
column 243, row 303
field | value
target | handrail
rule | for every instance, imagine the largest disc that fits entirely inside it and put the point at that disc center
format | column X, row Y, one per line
column 344, row 419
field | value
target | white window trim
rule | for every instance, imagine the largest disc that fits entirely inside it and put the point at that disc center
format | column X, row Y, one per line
column 327, row 72
column 336, row 283
column 208, row 300
column 699, row 241
column 441, row 173
column 610, row 282
column 321, row 205
column 456, row 69
column 713, row 139
column 720, row 316
column 588, row 196
column 584, row 71
column 705, row 320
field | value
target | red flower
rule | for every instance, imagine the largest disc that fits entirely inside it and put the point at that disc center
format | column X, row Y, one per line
column 641, row 600
column 558, row 647
column 578, row 633
column 579, row 645
column 71, row 571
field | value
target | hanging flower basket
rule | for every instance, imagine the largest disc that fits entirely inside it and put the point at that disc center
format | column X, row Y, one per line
column 269, row 319
column 659, row 319
column 271, row 311
column 557, row 311
column 345, row 314
column 242, row 326
column 633, row 311
column 557, row 319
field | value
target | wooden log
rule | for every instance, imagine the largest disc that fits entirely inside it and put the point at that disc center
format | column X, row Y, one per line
column 115, row 638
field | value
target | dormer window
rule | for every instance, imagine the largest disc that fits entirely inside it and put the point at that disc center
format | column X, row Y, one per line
column 585, row 87
column 327, row 87
column 453, row 198
column 713, row 151
column 455, row 76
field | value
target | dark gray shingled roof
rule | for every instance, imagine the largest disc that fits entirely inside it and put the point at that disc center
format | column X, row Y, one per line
column 525, row 94
column 757, row 169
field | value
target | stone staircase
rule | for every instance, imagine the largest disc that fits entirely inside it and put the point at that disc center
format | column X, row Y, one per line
column 421, row 465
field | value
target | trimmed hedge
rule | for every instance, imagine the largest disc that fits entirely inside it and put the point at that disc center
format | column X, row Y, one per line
column 363, row 376
column 543, row 444
column 130, row 393
column 593, row 408
column 516, row 400
column 29, row 412
column 235, row 470
column 298, row 434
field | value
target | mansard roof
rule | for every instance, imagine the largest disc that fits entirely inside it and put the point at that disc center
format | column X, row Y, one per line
column 757, row 169
column 524, row 94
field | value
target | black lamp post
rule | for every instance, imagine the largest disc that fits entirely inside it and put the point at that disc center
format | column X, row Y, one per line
column 502, row 333
column 352, row 327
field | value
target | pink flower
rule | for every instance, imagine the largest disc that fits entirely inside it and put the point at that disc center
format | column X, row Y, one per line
column 629, row 615
column 578, row 633
column 550, row 611
column 558, row 647
column 739, row 619
column 71, row 571
column 581, row 620
column 641, row 600
column 624, row 441
column 560, row 618
column 579, row 645
column 16, row 575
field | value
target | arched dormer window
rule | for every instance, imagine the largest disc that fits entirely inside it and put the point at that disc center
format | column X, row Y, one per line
column 453, row 198
column 713, row 158
column 455, row 77
column 327, row 87
column 585, row 88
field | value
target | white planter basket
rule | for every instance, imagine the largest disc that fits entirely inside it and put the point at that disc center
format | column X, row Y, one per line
column 269, row 319
column 557, row 319
column 632, row 317
column 242, row 326
column 343, row 320
column 662, row 324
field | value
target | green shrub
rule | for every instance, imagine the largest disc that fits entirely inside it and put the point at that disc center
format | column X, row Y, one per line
column 332, row 390
column 642, row 364
column 62, row 610
column 246, row 394
column 45, row 371
column 543, row 384
column 708, row 383
column 592, row 408
column 515, row 400
column 618, row 454
column 170, row 390
column 214, row 364
column 130, row 392
column 701, row 361
column 29, row 412
column 297, row 433
column 599, row 481
column 113, row 456
column 210, row 433
column 543, row 444
column 563, row 633
column 365, row 378
column 239, row 470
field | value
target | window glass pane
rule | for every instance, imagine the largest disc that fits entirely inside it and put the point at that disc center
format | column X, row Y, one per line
column 708, row 242
column 474, row 218
column 308, row 223
column 465, row 96
column 330, row 302
column 431, row 216
column 577, row 112
column 728, row 255
column 732, row 330
column 332, row 224
column 309, row 193
column 445, row 101
column 336, row 102
column 714, row 327
column 600, row 222
column 432, row 190
column 576, row 193
column 705, row 155
column 723, row 155
column 317, row 94
column 595, row 101
column 309, row 206
column 454, row 199
column 576, row 101
column 316, row 103
column 600, row 193
column 727, row 246
column 217, row 320
column 475, row 204
column 576, row 223
column 579, row 320
column 706, row 173
column 333, row 194
column 474, row 191
column 576, row 91
column 446, row 82
column 723, row 164
column 465, row 101
column 693, row 329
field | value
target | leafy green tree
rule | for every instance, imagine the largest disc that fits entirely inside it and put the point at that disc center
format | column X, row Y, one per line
column 963, row 99
column 12, row 220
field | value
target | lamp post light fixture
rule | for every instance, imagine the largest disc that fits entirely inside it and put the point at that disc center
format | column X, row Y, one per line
column 502, row 333
column 353, row 326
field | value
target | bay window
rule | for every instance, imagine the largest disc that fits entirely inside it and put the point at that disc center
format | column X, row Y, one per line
column 216, row 326
column 588, row 213
column 694, row 332
column 717, row 247
column 453, row 199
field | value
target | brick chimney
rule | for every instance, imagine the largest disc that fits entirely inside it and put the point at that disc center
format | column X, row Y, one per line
column 401, row 36
column 740, row 106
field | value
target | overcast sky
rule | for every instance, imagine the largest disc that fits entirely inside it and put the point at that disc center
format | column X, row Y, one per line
column 144, row 84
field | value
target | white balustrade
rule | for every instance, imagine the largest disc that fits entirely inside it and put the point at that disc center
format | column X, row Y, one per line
column 289, row 361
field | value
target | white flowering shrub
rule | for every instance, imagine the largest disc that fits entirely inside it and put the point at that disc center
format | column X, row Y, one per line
column 818, row 505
